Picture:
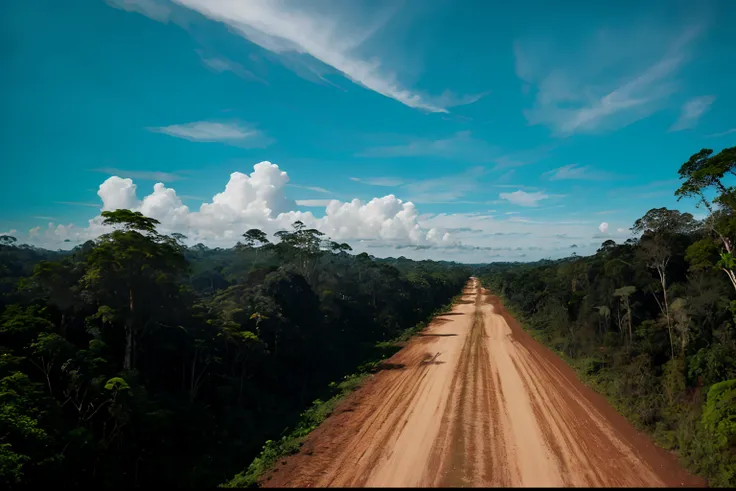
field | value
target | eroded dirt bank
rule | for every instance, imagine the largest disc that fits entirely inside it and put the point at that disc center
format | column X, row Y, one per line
column 474, row 401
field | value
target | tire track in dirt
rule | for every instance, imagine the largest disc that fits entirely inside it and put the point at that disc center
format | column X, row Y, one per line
column 474, row 401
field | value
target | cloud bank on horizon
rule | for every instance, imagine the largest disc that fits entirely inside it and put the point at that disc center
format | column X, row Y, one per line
column 257, row 200
column 384, row 225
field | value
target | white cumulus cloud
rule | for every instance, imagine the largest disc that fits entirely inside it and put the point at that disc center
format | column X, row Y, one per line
column 117, row 193
column 258, row 200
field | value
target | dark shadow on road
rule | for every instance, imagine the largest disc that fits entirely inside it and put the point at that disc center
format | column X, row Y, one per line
column 430, row 359
column 389, row 366
column 430, row 362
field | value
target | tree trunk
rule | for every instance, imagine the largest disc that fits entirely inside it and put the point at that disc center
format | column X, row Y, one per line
column 255, row 260
column 242, row 379
column 628, row 317
column 192, row 393
column 726, row 245
column 48, row 381
column 128, row 361
column 666, row 309
column 684, row 342
column 731, row 276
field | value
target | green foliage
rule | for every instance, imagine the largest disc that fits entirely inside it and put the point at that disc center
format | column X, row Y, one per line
column 719, row 414
column 117, row 384
column 719, row 422
column 712, row 364
column 255, row 236
column 130, row 220
column 134, row 360
column 702, row 255
column 11, row 466
column 290, row 443
column 664, row 221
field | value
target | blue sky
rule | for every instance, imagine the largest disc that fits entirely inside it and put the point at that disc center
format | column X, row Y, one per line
column 466, row 130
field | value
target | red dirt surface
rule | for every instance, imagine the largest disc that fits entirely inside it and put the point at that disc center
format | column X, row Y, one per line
column 475, row 401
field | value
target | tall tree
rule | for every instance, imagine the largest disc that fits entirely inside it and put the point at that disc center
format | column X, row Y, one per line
column 304, row 243
column 255, row 239
column 624, row 293
column 125, row 271
column 704, row 171
column 660, row 226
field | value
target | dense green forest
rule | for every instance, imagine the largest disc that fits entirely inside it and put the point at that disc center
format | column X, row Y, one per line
column 651, row 323
column 134, row 360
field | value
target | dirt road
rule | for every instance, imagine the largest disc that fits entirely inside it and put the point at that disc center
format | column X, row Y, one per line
column 474, row 401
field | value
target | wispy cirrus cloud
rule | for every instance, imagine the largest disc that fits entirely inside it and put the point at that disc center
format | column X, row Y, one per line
column 445, row 189
column 155, row 9
column 319, row 203
column 316, row 189
column 691, row 112
column 723, row 133
column 213, row 131
column 522, row 157
column 574, row 171
column 220, row 64
column 576, row 91
column 78, row 203
column 461, row 145
column 379, row 181
column 522, row 198
column 298, row 33
column 665, row 187
column 141, row 174
column 512, row 186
